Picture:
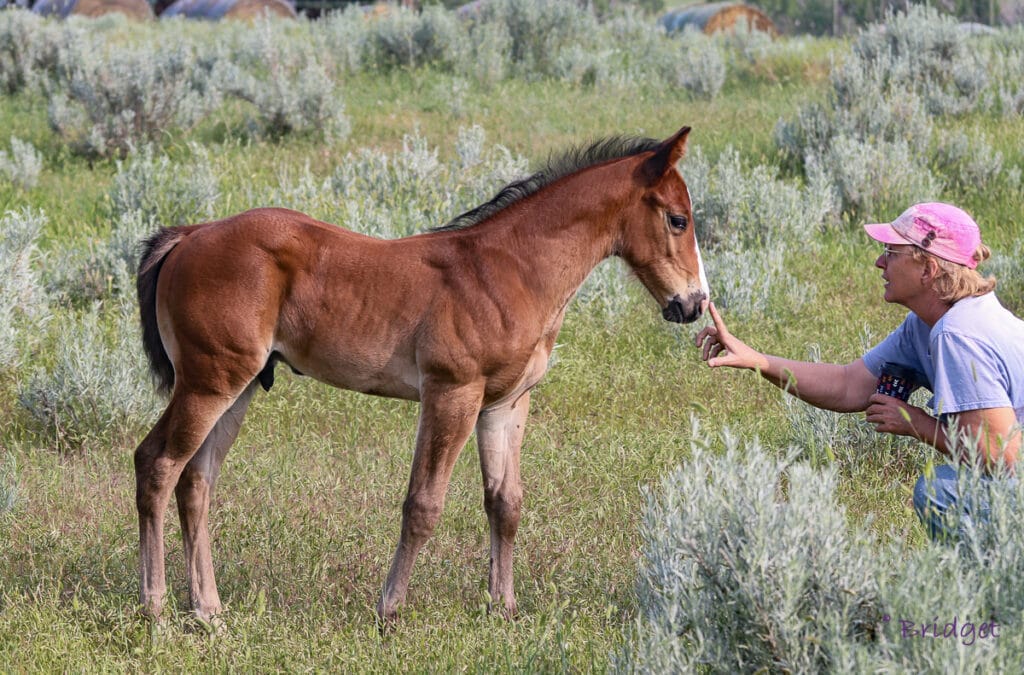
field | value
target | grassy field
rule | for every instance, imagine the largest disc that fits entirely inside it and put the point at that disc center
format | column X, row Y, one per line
column 307, row 511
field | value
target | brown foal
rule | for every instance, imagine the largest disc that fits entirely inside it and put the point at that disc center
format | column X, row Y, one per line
column 461, row 319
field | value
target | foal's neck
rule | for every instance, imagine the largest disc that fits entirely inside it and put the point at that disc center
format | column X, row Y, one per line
column 560, row 234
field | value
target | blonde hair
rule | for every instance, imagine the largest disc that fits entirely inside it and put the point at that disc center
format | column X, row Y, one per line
column 955, row 281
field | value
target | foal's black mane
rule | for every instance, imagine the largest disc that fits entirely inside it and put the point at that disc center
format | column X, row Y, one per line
column 571, row 161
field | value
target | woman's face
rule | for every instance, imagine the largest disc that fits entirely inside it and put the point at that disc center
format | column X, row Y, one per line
column 900, row 272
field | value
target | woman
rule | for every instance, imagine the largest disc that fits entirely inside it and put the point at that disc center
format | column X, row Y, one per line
column 967, row 348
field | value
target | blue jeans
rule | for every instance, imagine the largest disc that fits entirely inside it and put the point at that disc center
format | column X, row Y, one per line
column 936, row 501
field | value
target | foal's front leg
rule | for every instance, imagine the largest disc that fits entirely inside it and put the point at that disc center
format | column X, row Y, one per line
column 499, row 436
column 446, row 421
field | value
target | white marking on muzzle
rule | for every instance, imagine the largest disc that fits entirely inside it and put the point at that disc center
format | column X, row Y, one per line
column 703, row 277
column 704, row 286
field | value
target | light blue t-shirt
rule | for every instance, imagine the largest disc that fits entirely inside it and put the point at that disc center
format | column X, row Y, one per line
column 972, row 358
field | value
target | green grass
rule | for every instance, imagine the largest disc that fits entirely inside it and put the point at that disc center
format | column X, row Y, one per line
column 306, row 515
column 307, row 511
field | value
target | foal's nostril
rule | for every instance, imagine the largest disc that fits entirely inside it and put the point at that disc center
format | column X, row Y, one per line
column 678, row 311
column 674, row 311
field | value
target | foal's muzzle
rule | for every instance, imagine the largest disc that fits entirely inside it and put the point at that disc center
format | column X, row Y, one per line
column 679, row 310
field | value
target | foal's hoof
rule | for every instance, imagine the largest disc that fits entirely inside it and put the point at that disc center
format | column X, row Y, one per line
column 210, row 625
column 150, row 610
column 386, row 624
column 387, row 617
column 499, row 606
column 153, row 621
column 154, row 627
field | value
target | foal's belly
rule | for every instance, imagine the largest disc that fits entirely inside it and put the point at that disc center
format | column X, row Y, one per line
column 394, row 377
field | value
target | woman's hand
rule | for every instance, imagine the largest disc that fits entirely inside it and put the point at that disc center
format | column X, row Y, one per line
column 892, row 416
column 720, row 348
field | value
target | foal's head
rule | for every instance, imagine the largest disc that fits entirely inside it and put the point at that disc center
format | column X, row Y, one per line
column 658, row 240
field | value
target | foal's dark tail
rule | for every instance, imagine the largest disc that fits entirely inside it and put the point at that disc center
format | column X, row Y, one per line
column 153, row 252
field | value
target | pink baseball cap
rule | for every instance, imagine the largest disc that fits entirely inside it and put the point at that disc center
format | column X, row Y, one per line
column 941, row 229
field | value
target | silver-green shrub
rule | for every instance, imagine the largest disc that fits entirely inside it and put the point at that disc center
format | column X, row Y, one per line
column 605, row 291
column 747, row 220
column 875, row 177
column 956, row 607
column 642, row 55
column 515, row 38
column 101, row 268
column 500, row 39
column 703, row 68
column 990, row 546
column 9, row 496
column 406, row 38
column 924, row 51
column 754, row 280
column 583, row 66
column 148, row 191
column 22, row 299
column 1008, row 268
column 874, row 137
column 699, row 62
column 753, row 45
column 97, row 387
column 29, row 48
column 343, row 38
column 867, row 107
column 1007, row 68
column 748, row 564
column 397, row 195
column 824, row 436
column 489, row 60
column 846, row 440
column 375, row 193
column 485, row 169
column 108, row 101
column 861, row 114
column 163, row 191
column 418, row 191
column 282, row 77
column 971, row 163
column 22, row 165
column 738, row 206
column 539, row 30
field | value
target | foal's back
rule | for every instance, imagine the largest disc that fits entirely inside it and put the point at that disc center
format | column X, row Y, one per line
column 356, row 312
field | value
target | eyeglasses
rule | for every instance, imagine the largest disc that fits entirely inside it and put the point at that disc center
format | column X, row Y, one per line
column 888, row 252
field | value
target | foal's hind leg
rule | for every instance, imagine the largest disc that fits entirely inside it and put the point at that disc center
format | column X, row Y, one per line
column 193, row 492
column 159, row 461
column 499, row 436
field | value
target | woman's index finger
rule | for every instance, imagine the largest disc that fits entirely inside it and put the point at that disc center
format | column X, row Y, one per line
column 719, row 324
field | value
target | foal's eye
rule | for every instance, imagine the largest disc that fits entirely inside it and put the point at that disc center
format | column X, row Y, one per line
column 678, row 222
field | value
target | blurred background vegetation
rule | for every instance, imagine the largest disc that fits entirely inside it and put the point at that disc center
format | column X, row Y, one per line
column 793, row 17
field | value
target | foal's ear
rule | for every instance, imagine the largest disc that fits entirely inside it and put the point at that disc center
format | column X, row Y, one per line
column 666, row 156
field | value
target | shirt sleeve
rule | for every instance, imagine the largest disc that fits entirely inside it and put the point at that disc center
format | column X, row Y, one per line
column 968, row 375
column 895, row 348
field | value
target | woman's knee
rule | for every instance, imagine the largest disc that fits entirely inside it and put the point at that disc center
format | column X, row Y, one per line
column 936, row 492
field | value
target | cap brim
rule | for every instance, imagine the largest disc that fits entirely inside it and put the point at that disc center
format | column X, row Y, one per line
column 885, row 233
